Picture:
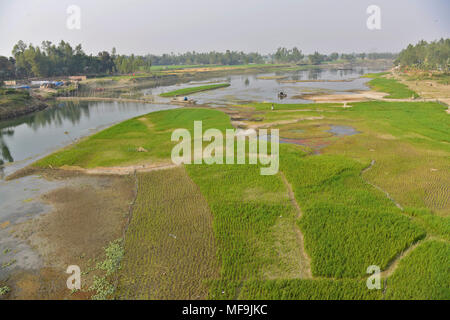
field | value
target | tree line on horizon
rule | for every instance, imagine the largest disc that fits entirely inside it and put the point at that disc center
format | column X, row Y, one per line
column 49, row 60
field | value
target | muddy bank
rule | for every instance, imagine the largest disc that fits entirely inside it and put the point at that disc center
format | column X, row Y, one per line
column 86, row 213
column 15, row 112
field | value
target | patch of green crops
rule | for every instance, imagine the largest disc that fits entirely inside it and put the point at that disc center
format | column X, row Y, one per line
column 298, row 289
column 245, row 206
column 348, row 225
column 433, row 224
column 422, row 275
column 420, row 122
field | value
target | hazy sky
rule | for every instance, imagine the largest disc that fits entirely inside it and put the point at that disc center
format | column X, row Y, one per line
column 159, row 26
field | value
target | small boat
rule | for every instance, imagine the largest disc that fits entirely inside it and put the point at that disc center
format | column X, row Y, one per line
column 282, row 95
column 183, row 100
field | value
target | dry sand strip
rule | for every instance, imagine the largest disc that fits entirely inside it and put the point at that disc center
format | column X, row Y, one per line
column 359, row 97
column 120, row 170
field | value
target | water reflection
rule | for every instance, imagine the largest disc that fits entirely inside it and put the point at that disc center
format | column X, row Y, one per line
column 5, row 154
column 314, row 74
column 266, row 86
column 39, row 133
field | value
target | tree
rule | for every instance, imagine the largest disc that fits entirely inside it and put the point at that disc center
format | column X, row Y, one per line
column 7, row 68
column 428, row 56
column 334, row 56
column 316, row 58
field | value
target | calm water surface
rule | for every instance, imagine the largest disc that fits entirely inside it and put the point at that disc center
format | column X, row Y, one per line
column 246, row 88
column 24, row 140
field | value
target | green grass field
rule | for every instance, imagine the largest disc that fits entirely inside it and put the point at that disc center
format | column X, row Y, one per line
column 347, row 223
column 253, row 219
column 192, row 90
column 395, row 89
column 118, row 145
column 322, row 289
column 423, row 275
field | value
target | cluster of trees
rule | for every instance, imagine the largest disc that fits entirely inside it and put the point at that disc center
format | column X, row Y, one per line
column 428, row 56
column 294, row 55
column 57, row 60
column 317, row 58
column 61, row 60
column 213, row 57
column 284, row 55
column 50, row 60
column 7, row 68
column 128, row 64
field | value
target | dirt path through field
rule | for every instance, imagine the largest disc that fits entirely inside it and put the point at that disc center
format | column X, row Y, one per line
column 305, row 263
column 377, row 187
column 394, row 264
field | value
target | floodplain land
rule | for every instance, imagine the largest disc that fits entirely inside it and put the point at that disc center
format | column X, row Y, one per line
column 360, row 183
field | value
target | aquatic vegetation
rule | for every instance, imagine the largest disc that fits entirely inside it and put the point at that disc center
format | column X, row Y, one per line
column 4, row 290
column 104, row 286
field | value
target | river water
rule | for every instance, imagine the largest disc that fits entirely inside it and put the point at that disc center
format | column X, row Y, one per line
column 265, row 87
column 28, row 138
column 24, row 140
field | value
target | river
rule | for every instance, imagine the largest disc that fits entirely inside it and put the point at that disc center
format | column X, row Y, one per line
column 26, row 139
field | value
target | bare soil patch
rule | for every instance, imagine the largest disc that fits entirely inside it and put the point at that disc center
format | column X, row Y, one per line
column 89, row 212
